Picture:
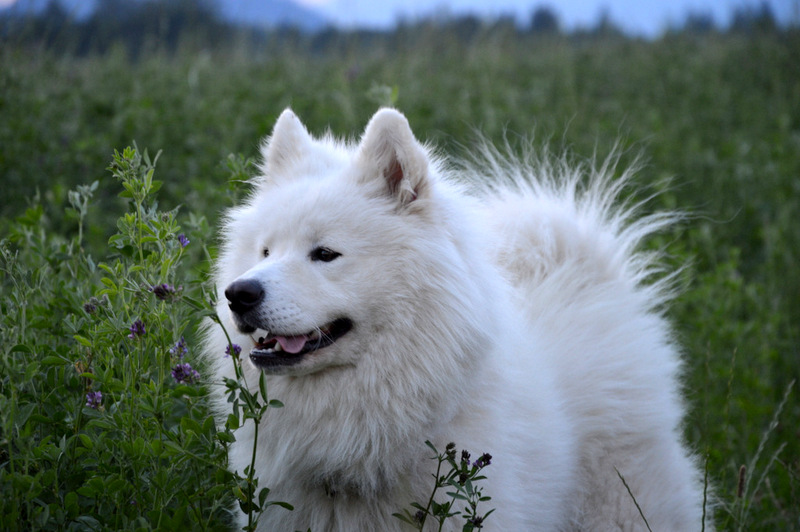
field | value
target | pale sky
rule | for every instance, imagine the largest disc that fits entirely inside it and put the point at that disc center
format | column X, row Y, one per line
column 648, row 17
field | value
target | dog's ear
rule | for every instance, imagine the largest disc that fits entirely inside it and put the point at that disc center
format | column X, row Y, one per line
column 288, row 143
column 390, row 152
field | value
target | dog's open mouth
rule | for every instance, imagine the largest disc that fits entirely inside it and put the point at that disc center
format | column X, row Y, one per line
column 278, row 350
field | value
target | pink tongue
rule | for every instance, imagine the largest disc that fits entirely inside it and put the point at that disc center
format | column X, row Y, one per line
column 292, row 344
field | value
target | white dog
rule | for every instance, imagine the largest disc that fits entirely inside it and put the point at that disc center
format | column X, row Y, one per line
column 392, row 299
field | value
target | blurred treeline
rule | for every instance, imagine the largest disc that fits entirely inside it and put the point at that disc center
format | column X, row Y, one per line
column 170, row 25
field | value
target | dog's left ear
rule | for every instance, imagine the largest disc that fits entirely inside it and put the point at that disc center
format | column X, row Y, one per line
column 390, row 152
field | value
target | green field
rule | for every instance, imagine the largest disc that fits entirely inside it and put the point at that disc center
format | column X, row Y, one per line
column 716, row 119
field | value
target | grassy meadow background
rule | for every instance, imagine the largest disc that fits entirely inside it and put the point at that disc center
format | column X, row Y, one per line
column 716, row 117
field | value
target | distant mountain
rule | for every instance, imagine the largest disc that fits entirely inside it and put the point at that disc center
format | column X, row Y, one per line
column 272, row 13
column 257, row 13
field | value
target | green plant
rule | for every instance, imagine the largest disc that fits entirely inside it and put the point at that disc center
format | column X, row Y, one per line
column 462, row 479
column 104, row 420
column 248, row 406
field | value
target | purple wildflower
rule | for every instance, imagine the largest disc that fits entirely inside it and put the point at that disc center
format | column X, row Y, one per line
column 91, row 306
column 94, row 399
column 484, row 460
column 137, row 329
column 450, row 450
column 183, row 240
column 476, row 521
column 232, row 349
column 184, row 373
column 164, row 291
column 465, row 456
column 180, row 349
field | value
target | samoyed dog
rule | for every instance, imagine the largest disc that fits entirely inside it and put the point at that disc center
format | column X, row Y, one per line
column 392, row 297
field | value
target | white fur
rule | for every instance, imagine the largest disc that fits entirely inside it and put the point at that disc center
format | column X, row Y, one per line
column 513, row 319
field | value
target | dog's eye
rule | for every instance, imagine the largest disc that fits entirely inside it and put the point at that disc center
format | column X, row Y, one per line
column 265, row 253
column 324, row 254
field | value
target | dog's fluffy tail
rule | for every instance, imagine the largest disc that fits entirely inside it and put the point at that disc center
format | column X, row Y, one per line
column 550, row 211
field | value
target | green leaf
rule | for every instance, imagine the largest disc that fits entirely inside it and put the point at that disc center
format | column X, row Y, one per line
column 172, row 447
column 38, row 418
column 31, row 370
column 21, row 348
column 165, row 268
column 195, row 303
column 23, row 414
column 71, row 504
column 86, row 441
column 138, row 446
column 190, row 426
column 239, row 494
column 208, row 425
column 262, row 385
column 263, row 493
column 226, row 437
column 404, row 518
column 52, row 360
column 82, row 340
column 156, row 447
column 282, row 504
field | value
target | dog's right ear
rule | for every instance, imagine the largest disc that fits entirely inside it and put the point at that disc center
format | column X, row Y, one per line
column 286, row 146
column 389, row 152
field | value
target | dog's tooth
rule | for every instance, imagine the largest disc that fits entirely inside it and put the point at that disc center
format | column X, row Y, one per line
column 278, row 347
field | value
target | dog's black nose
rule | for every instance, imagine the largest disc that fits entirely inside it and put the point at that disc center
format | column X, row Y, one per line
column 244, row 294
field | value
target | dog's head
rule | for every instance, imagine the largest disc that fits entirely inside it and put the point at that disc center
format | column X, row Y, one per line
column 314, row 259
